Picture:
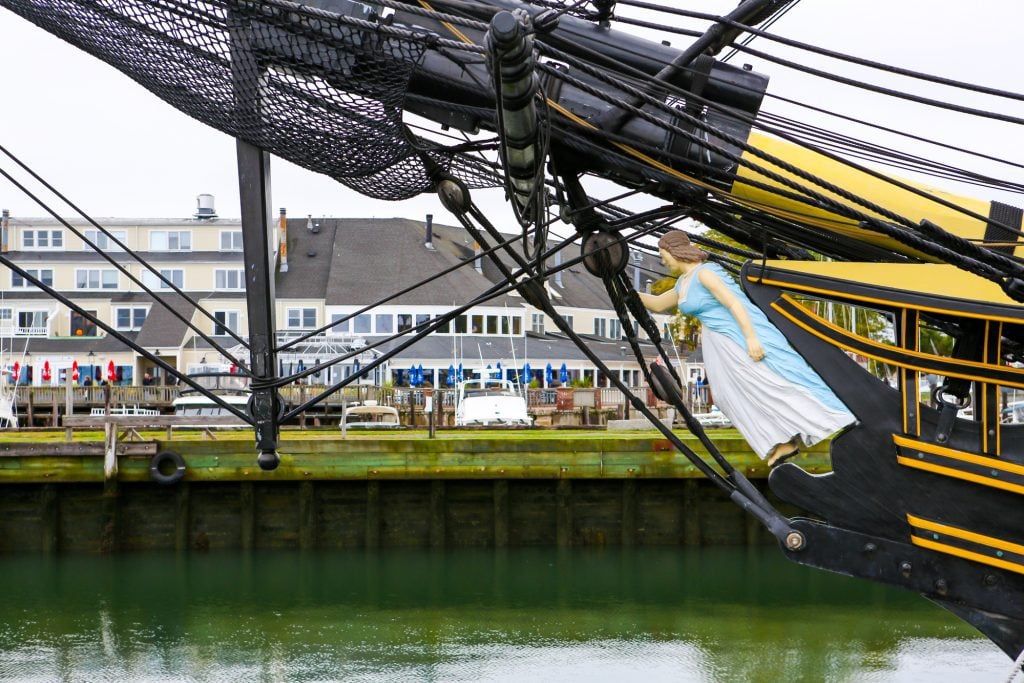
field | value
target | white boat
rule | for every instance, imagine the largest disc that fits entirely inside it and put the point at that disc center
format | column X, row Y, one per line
column 231, row 389
column 370, row 415
column 485, row 402
column 714, row 418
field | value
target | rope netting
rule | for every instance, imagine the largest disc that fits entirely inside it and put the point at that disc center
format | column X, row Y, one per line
column 323, row 91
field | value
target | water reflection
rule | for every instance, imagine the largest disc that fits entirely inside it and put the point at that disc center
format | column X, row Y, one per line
column 541, row 615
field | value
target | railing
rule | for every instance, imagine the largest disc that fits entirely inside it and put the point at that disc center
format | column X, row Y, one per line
column 10, row 330
column 161, row 397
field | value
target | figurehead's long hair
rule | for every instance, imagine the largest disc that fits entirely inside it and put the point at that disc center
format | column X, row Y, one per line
column 677, row 243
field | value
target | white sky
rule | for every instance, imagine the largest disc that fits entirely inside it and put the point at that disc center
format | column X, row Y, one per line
column 117, row 150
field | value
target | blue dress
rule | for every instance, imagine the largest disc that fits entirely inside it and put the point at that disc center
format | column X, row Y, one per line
column 769, row 401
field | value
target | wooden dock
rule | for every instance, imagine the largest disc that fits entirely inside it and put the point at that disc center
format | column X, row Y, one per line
column 396, row 490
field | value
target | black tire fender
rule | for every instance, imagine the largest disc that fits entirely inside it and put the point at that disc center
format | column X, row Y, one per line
column 158, row 467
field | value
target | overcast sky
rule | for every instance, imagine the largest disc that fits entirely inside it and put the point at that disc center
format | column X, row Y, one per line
column 117, row 150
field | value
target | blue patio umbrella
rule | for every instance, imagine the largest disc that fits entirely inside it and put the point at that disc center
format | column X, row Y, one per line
column 419, row 374
column 526, row 373
column 548, row 374
column 412, row 375
column 458, row 375
column 451, row 375
column 563, row 374
column 498, row 368
column 300, row 366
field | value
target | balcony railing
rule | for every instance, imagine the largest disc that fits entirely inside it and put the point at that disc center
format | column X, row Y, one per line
column 11, row 330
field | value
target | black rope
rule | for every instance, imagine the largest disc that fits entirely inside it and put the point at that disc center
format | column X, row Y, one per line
column 124, row 271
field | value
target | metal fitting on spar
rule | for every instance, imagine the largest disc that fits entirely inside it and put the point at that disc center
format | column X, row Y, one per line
column 515, row 81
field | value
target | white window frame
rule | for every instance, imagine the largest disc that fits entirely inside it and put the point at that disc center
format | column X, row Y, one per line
column 103, row 278
column 30, row 239
column 233, row 238
column 44, row 274
column 228, row 319
column 537, row 323
column 222, row 278
column 32, row 330
column 151, row 280
column 133, row 325
column 104, row 242
column 299, row 315
column 172, row 240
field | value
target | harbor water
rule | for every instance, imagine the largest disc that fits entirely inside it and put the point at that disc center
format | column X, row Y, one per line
column 511, row 615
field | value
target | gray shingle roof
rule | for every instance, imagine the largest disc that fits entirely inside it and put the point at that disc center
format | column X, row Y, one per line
column 376, row 257
column 162, row 329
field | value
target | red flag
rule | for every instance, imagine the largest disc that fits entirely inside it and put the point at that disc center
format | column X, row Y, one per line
column 46, row 371
column 17, row 372
column 111, row 372
column 74, row 371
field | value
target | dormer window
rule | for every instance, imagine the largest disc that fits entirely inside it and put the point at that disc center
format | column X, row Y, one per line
column 42, row 240
column 170, row 240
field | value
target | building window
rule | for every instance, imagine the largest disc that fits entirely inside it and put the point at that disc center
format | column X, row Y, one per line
column 342, row 327
column 229, row 279
column 600, row 327
column 32, row 323
column 445, row 327
column 227, row 321
column 537, row 322
column 231, row 240
column 175, row 275
column 422, row 319
column 42, row 239
column 517, row 326
column 302, row 318
column 95, row 278
column 6, row 315
column 568, row 321
column 385, row 323
column 477, row 322
column 615, row 328
column 492, row 324
column 461, row 324
column 361, row 323
column 82, row 326
column 170, row 240
column 130, row 318
column 103, row 242
column 45, row 275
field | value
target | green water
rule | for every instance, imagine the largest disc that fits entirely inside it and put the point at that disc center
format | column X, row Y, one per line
column 517, row 615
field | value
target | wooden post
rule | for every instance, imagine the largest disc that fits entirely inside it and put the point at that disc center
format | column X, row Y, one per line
column 248, row 512
column 628, row 512
column 437, row 521
column 431, row 412
column 109, row 458
column 181, row 517
column 49, row 519
column 30, row 409
column 691, row 514
column 54, row 413
column 69, row 402
column 307, row 515
column 373, row 514
column 500, row 513
column 302, row 399
column 563, row 513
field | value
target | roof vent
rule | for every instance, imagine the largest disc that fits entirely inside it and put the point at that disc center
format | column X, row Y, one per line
column 204, row 207
column 311, row 226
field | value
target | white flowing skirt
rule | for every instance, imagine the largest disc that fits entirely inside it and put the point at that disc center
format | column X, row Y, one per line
column 766, row 409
